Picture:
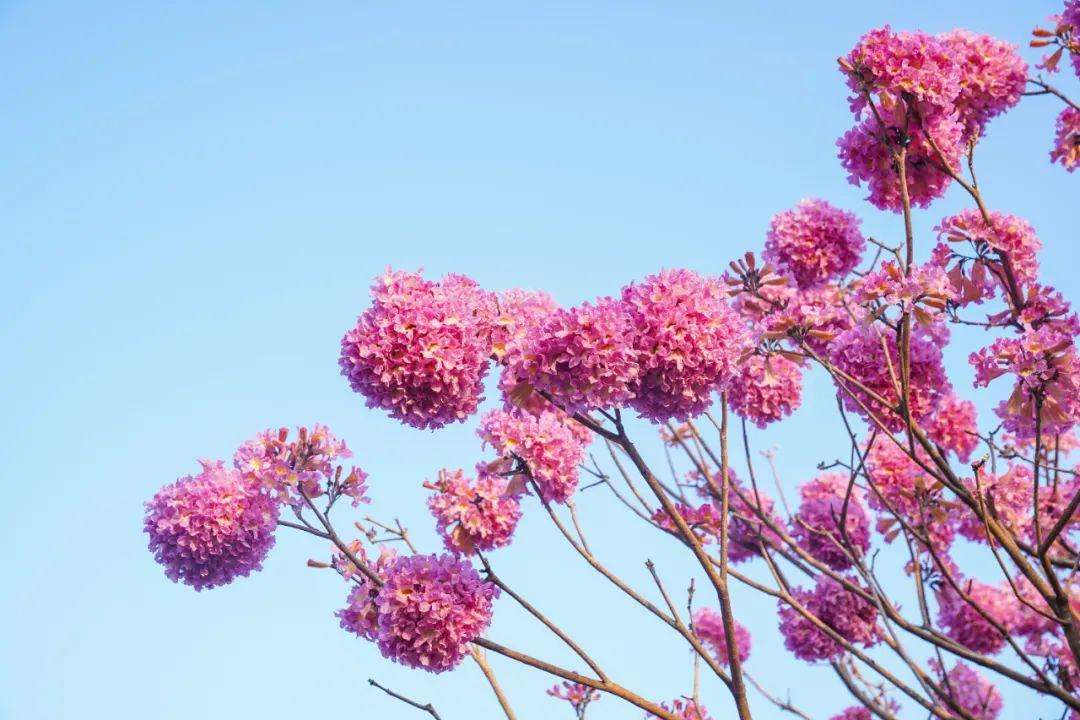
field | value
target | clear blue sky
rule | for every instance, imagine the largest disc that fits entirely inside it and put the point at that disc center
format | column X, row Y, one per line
column 193, row 200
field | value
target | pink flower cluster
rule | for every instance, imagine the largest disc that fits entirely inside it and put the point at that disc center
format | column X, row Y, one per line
column 474, row 513
column 853, row 713
column 925, row 97
column 548, row 443
column 306, row 465
column 972, row 692
column 954, row 427
column 517, row 314
column 211, row 528
column 583, row 357
column 1010, row 236
column 850, row 616
column 426, row 612
column 420, row 352
column 766, row 389
column 1070, row 17
column 684, row 710
column 816, row 526
column 1066, row 150
column 992, row 77
column 866, row 354
column 866, row 153
column 688, row 343
column 1047, row 370
column 579, row 696
column 814, row 242
column 709, row 626
column 900, row 485
column 969, row 627
column 360, row 615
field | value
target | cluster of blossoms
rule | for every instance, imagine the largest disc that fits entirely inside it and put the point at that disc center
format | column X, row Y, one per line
column 709, row 626
column 954, row 426
column 211, row 528
column 1046, row 395
column 688, row 342
column 976, row 629
column 1005, row 239
column 814, row 242
column 901, row 488
column 827, row 500
column 579, row 696
column 766, row 388
column 684, row 709
column 306, row 466
column 424, row 613
column 869, row 358
column 972, row 692
column 924, row 98
column 850, row 616
column 421, row 350
column 1066, row 148
column 548, row 444
column 474, row 513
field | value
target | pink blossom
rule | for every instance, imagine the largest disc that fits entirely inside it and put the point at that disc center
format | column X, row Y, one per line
column 703, row 520
column 709, row 626
column 814, row 242
column 972, row 692
column 893, row 65
column 900, row 485
column 1070, row 17
column 1010, row 495
column 547, row 443
column 923, row 290
column 360, row 615
column 766, row 389
column 307, row 465
column 474, row 513
column 684, row 710
column 814, row 316
column 211, row 528
column 1066, row 150
column 992, row 77
column 429, row 609
column 865, row 154
column 1008, row 235
column 579, row 696
column 816, row 526
column 688, row 342
column 852, row 617
column 583, row 357
column 856, row 712
column 861, row 354
column 1047, row 370
column 420, row 352
column 953, row 426
column 517, row 314
column 966, row 625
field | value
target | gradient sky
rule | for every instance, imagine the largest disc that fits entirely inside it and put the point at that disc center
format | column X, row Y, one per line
column 194, row 199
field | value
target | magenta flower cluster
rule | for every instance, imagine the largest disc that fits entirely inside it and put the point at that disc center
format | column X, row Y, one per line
column 547, row 444
column 814, row 242
column 850, row 616
column 709, row 626
column 211, row 528
column 687, row 340
column 766, row 389
column 421, row 351
column 827, row 500
column 426, row 612
column 474, row 513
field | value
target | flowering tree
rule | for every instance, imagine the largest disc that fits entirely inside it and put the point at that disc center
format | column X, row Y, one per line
column 703, row 358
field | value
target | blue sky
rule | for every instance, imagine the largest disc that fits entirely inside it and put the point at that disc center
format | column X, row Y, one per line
column 195, row 197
